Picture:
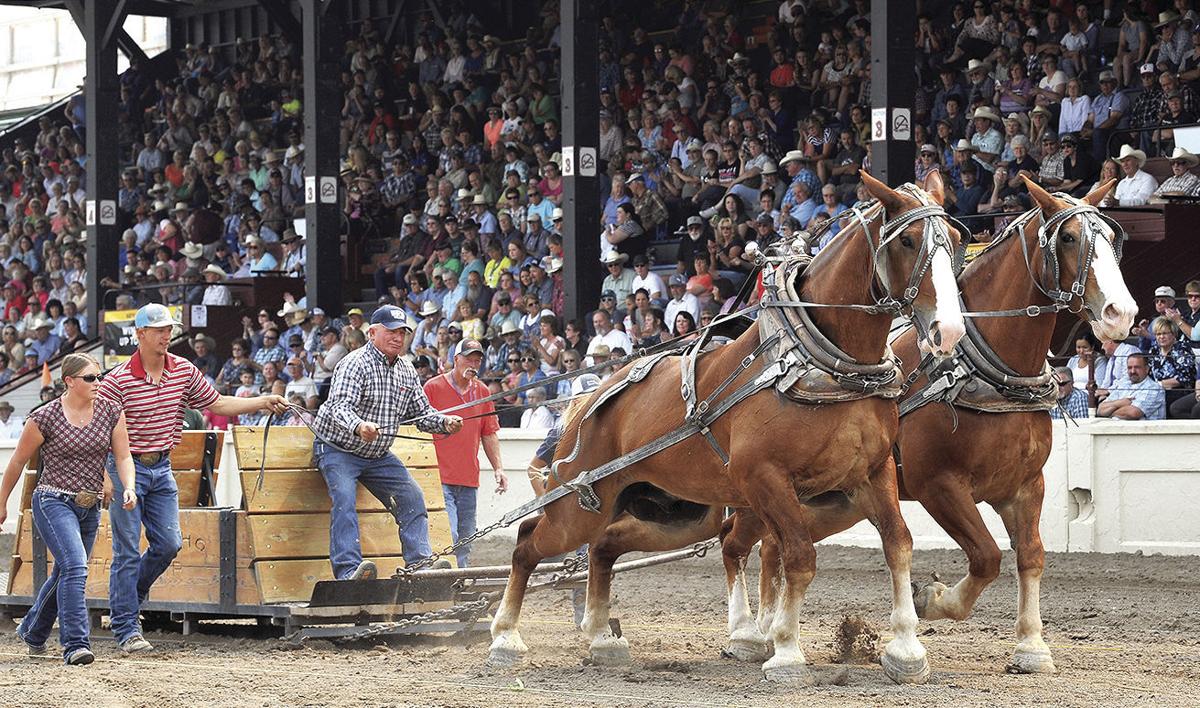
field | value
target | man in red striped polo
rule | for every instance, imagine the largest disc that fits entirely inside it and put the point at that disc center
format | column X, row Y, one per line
column 153, row 388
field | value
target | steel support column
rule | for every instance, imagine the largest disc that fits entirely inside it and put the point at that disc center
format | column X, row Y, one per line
column 102, row 95
column 581, row 130
column 893, row 85
column 281, row 14
column 324, row 40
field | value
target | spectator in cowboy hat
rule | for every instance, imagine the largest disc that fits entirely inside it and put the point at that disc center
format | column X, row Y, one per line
column 1182, row 181
column 216, row 293
column 987, row 140
column 619, row 279
column 1110, row 112
column 1136, row 187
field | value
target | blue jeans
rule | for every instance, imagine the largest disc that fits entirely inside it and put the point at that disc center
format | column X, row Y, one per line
column 69, row 532
column 387, row 478
column 133, row 572
column 460, row 507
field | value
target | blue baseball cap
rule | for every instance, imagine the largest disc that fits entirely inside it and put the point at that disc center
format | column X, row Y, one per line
column 391, row 317
column 154, row 315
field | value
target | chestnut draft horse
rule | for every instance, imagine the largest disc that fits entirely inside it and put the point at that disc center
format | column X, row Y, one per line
column 779, row 452
column 952, row 459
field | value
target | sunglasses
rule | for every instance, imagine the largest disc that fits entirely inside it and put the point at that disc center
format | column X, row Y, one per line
column 91, row 378
column 513, row 361
column 527, row 358
column 1192, row 295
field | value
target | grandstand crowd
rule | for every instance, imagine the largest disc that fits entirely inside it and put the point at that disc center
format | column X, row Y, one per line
column 721, row 123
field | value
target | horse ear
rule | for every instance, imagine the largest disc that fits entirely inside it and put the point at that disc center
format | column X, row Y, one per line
column 1044, row 199
column 1097, row 195
column 935, row 187
column 888, row 197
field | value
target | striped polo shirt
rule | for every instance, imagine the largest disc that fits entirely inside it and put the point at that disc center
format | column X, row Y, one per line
column 154, row 411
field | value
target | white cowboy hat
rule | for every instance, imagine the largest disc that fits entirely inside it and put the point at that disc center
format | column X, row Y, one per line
column 793, row 156
column 1128, row 151
column 288, row 308
column 478, row 199
column 429, row 307
column 1166, row 18
column 975, row 64
column 964, row 144
column 192, row 250
column 986, row 112
column 613, row 257
column 509, row 328
column 181, row 206
column 1181, row 154
column 215, row 269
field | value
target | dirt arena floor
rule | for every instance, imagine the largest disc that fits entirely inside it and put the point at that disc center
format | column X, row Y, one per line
column 1123, row 629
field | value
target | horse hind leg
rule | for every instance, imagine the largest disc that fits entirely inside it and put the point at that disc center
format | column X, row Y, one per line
column 904, row 659
column 1021, row 517
column 953, row 508
column 747, row 639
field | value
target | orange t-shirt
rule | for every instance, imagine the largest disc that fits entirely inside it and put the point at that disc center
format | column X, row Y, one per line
column 458, row 454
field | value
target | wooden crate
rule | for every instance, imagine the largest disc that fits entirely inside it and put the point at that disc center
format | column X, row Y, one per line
column 178, row 584
column 200, row 528
column 288, row 518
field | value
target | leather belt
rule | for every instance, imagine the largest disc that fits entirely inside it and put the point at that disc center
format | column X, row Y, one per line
column 151, row 458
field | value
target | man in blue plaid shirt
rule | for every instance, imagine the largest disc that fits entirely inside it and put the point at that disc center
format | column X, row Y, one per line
column 1073, row 400
column 372, row 392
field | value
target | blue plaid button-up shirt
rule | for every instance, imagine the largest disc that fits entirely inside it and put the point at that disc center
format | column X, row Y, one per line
column 1076, row 404
column 368, row 388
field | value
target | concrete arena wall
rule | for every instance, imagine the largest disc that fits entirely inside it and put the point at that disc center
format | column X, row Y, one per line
column 1111, row 487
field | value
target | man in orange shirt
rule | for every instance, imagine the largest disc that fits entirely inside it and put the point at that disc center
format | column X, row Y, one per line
column 458, row 454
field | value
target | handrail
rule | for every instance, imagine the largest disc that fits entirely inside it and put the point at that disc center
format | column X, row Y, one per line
column 1158, row 144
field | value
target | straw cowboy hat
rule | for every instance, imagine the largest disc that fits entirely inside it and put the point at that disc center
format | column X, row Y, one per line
column 977, row 65
column 509, row 328
column 986, row 112
column 612, row 257
column 964, row 144
column 288, row 309
column 1181, row 154
column 215, row 270
column 1128, row 151
column 429, row 307
column 192, row 250
column 1165, row 18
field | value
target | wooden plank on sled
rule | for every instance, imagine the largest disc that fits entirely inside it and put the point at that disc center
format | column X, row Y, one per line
column 179, row 583
column 290, row 448
column 304, row 491
column 285, row 536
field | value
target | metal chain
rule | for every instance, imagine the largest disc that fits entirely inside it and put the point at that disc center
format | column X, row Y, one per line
column 448, row 550
column 471, row 612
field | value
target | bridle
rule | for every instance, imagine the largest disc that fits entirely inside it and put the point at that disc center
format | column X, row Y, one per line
column 1091, row 226
column 935, row 236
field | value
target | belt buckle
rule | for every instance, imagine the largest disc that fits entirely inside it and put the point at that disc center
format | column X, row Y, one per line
column 86, row 499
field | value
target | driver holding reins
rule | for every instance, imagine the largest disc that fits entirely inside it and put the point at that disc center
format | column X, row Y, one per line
column 373, row 391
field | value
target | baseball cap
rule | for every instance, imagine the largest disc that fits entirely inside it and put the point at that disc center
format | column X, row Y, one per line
column 763, row 218
column 1146, row 69
column 391, row 317
column 609, row 293
column 354, row 311
column 409, row 219
column 695, row 221
column 1165, row 291
column 584, row 383
column 677, row 279
column 156, row 315
column 468, row 347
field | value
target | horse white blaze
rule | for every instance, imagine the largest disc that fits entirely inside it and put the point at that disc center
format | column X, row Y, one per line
column 948, row 317
column 1116, row 309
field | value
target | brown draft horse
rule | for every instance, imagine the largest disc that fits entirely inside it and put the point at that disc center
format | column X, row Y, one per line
column 950, row 465
column 780, row 452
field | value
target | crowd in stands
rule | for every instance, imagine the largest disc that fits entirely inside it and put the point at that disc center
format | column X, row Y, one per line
column 720, row 125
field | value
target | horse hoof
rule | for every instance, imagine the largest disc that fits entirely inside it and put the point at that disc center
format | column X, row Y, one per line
column 927, row 596
column 506, row 652
column 747, row 650
column 789, row 674
column 1032, row 661
column 905, row 671
column 614, row 651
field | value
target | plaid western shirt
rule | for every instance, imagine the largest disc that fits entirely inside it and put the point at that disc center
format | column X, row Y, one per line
column 1076, row 404
column 367, row 388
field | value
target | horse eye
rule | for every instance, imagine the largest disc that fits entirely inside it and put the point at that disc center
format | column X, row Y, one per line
column 906, row 241
column 1067, row 238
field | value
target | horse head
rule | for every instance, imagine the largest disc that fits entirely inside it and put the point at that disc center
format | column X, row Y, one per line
column 1080, row 247
column 914, row 258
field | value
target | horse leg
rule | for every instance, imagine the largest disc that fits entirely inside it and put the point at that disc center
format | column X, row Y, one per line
column 624, row 535
column 953, row 507
column 773, row 498
column 747, row 640
column 904, row 659
column 538, row 538
column 1021, row 517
